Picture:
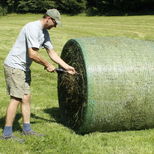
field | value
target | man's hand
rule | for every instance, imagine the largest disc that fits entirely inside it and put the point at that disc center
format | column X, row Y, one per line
column 50, row 68
column 71, row 70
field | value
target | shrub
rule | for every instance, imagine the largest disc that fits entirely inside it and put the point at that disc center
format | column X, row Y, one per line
column 3, row 11
column 34, row 6
column 71, row 7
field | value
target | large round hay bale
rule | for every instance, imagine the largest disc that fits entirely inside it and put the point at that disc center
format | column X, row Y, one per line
column 115, row 86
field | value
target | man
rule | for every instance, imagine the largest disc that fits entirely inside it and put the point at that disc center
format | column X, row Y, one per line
column 33, row 36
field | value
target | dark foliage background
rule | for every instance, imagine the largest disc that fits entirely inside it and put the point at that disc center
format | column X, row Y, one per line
column 73, row 7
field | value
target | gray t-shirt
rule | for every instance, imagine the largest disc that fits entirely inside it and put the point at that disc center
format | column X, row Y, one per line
column 32, row 35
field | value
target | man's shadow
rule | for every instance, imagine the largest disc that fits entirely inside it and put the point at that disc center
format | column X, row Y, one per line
column 16, row 124
column 55, row 116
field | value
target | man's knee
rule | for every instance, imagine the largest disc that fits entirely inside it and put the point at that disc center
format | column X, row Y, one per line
column 26, row 99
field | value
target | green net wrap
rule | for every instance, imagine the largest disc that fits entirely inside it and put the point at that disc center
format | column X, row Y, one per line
column 115, row 86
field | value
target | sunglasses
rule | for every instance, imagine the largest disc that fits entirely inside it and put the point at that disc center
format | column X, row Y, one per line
column 54, row 21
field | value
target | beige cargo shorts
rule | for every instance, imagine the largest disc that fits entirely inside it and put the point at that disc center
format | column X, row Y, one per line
column 17, row 82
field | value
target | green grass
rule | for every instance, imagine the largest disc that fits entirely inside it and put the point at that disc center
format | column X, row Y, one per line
column 45, row 113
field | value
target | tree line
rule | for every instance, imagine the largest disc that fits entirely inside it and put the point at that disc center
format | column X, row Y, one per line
column 73, row 7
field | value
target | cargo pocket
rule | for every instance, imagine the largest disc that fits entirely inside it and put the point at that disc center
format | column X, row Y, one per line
column 18, row 78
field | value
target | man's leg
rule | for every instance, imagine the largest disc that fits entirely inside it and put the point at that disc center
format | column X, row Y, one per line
column 15, row 80
column 25, row 107
column 10, row 115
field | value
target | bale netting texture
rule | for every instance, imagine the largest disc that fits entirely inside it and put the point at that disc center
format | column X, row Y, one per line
column 114, row 89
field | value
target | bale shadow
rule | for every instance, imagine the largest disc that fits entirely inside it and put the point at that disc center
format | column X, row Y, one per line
column 54, row 113
column 40, row 118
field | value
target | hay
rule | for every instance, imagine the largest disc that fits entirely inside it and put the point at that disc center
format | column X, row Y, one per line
column 115, row 88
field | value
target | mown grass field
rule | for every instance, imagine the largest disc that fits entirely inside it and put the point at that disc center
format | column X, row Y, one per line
column 45, row 112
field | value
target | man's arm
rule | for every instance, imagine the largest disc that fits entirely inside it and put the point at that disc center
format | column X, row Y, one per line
column 54, row 56
column 33, row 54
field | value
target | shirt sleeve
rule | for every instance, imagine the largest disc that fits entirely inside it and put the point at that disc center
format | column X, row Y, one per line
column 31, row 35
column 47, row 43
